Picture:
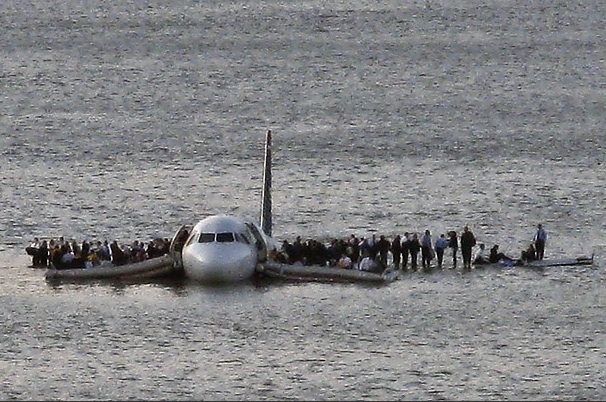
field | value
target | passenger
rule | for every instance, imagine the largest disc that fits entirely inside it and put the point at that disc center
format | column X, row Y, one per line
column 137, row 252
column 43, row 254
column 405, row 250
column 453, row 244
column 364, row 247
column 529, row 254
column 540, row 238
column 345, row 262
column 280, row 256
column 32, row 250
column 353, row 250
column 370, row 264
column 317, row 253
column 480, row 256
column 426, row 245
column 118, row 255
column 92, row 261
column 85, row 249
column 67, row 256
column 53, row 252
column 414, row 246
column 75, row 248
column 496, row 256
column 105, row 252
column 372, row 242
column 35, row 244
column 287, row 252
column 274, row 254
column 440, row 246
column 162, row 246
column 383, row 245
column 396, row 251
column 57, row 255
column 297, row 250
column 334, row 250
column 152, row 251
column 468, row 240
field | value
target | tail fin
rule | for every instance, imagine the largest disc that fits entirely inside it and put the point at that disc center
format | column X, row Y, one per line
column 266, row 222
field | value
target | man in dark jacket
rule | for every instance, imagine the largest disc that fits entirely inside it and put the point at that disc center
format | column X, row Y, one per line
column 468, row 240
column 405, row 250
column 453, row 243
column 396, row 251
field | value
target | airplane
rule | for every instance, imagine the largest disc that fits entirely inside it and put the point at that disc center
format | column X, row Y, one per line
column 227, row 248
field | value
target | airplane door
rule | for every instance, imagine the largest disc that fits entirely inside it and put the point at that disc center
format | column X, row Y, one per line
column 176, row 244
column 259, row 242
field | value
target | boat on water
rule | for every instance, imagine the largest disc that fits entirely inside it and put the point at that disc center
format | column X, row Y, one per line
column 167, row 265
column 318, row 273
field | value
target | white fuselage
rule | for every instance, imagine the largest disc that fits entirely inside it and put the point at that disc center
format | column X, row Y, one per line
column 226, row 248
column 222, row 249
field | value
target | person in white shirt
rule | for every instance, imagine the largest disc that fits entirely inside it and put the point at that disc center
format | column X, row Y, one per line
column 370, row 264
column 33, row 250
column 440, row 246
column 480, row 256
column 345, row 262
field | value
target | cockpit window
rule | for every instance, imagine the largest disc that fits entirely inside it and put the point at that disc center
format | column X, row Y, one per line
column 241, row 237
column 225, row 237
column 206, row 238
column 192, row 236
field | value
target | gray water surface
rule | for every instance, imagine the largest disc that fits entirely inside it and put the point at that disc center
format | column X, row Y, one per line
column 124, row 120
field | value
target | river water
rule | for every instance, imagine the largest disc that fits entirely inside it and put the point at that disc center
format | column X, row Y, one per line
column 125, row 119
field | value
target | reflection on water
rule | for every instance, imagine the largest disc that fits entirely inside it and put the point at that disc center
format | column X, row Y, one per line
column 444, row 333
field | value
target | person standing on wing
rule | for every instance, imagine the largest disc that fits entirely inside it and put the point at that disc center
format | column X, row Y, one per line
column 539, row 241
column 440, row 246
column 414, row 246
column 468, row 240
column 453, row 243
column 426, row 245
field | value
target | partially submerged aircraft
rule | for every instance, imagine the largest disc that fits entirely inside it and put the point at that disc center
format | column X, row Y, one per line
column 224, row 249
column 228, row 248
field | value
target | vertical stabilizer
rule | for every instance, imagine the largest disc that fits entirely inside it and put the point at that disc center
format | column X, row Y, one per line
column 266, row 223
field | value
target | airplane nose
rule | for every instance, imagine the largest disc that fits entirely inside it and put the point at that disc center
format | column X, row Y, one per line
column 217, row 265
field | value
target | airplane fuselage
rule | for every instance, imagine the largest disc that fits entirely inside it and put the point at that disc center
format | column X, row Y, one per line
column 227, row 248
column 223, row 248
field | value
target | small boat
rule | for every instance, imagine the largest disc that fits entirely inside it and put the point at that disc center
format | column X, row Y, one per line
column 299, row 272
column 162, row 266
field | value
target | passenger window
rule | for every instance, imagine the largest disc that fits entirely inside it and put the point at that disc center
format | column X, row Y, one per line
column 206, row 238
column 225, row 237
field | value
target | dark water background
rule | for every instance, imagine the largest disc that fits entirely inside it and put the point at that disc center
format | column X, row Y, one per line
column 124, row 119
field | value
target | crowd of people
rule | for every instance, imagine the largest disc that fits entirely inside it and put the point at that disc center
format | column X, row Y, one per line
column 64, row 254
column 374, row 254
column 409, row 251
